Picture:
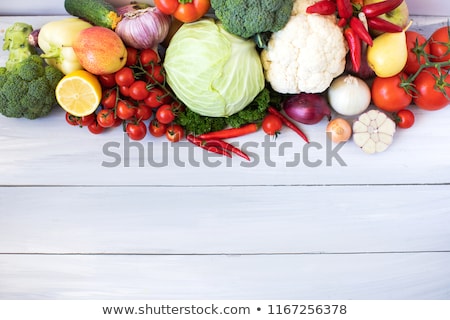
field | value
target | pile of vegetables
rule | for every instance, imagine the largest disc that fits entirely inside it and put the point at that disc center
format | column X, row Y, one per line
column 210, row 75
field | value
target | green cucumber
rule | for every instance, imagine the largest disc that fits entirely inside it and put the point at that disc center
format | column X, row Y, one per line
column 97, row 12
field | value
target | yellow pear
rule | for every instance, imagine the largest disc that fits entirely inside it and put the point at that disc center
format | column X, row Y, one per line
column 388, row 54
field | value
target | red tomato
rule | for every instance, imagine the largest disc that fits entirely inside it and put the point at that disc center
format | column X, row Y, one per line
column 440, row 44
column 388, row 95
column 72, row 120
column 136, row 130
column 155, row 74
column 124, row 91
column 272, row 125
column 118, row 122
column 87, row 120
column 157, row 97
column 188, row 11
column 107, row 80
column 148, row 57
column 156, row 128
column 404, row 118
column 95, row 128
column 143, row 112
column 174, row 133
column 427, row 84
column 165, row 114
column 124, row 77
column 132, row 56
column 109, row 98
column 105, row 118
column 414, row 42
column 125, row 110
column 138, row 90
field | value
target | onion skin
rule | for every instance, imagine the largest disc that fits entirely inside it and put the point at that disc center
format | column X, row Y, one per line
column 307, row 108
column 144, row 28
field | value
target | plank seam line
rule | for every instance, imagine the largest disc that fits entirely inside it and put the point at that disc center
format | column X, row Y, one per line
column 220, row 186
column 219, row 254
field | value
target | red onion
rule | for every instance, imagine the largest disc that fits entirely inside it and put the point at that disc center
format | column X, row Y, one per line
column 144, row 28
column 307, row 108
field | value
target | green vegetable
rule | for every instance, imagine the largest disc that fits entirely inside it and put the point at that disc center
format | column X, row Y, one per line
column 27, row 85
column 16, row 41
column 254, row 112
column 251, row 17
column 97, row 12
column 213, row 72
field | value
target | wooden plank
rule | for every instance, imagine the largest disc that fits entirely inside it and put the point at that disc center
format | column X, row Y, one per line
column 48, row 151
column 367, row 276
column 230, row 220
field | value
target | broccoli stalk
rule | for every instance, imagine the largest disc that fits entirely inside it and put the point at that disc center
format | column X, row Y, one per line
column 250, row 18
column 27, row 85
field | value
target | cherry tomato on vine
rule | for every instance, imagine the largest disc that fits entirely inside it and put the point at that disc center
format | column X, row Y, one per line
column 72, row 120
column 95, row 128
column 125, row 110
column 155, row 74
column 109, row 98
column 136, row 130
column 105, row 118
column 117, row 123
column 138, row 90
column 132, row 56
column 388, row 95
column 148, row 57
column 404, row 118
column 427, row 84
column 143, row 112
column 124, row 91
column 272, row 125
column 440, row 44
column 124, row 77
column 85, row 121
column 156, row 128
column 174, row 132
column 414, row 43
column 107, row 80
column 165, row 114
column 157, row 97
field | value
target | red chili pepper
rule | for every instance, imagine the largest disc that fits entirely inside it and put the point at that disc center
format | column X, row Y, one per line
column 226, row 146
column 354, row 45
column 345, row 8
column 230, row 132
column 288, row 123
column 324, row 7
column 361, row 30
column 342, row 22
column 382, row 25
column 376, row 9
column 202, row 144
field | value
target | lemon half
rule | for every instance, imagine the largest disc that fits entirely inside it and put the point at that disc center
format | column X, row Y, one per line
column 79, row 93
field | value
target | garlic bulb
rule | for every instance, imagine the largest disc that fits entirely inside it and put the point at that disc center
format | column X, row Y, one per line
column 144, row 28
column 373, row 131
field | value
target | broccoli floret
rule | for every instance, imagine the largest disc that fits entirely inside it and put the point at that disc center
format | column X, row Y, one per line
column 27, row 85
column 251, row 17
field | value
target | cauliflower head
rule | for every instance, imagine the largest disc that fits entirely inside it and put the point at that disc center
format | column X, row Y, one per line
column 307, row 54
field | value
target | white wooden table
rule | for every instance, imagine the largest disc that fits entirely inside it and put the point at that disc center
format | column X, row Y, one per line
column 370, row 227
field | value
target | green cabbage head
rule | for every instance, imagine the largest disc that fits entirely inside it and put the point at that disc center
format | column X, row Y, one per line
column 213, row 72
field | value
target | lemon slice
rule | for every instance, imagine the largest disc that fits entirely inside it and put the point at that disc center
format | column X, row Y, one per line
column 79, row 93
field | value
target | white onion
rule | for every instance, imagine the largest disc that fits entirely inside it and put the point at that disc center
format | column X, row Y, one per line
column 349, row 95
column 144, row 28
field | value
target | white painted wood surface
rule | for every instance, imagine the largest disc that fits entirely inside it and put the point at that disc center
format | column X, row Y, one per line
column 377, row 227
